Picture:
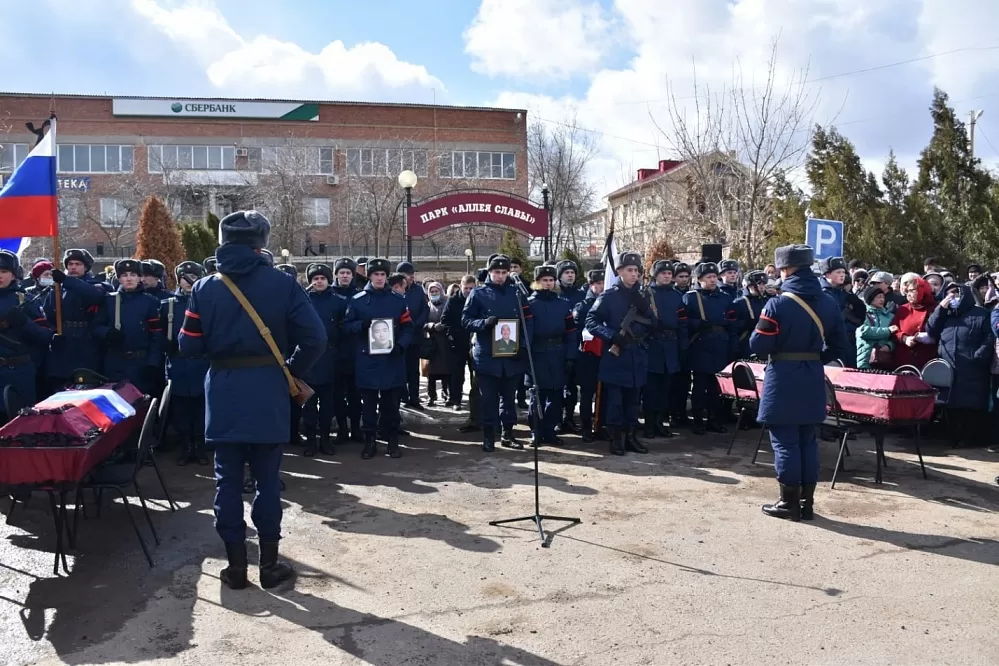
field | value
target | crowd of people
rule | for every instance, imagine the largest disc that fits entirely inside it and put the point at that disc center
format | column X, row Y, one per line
column 353, row 339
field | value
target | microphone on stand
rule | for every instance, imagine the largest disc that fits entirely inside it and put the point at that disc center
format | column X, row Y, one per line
column 520, row 285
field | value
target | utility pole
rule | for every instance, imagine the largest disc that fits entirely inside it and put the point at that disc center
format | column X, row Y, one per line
column 973, row 117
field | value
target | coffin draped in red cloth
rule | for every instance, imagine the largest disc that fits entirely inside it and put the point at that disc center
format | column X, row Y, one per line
column 61, row 440
column 866, row 395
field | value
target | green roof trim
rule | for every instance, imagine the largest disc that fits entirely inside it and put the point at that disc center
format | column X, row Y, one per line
column 303, row 112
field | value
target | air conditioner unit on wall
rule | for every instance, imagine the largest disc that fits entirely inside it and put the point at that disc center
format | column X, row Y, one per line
column 332, row 180
column 242, row 152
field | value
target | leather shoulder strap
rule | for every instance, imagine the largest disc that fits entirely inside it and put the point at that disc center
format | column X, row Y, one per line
column 811, row 313
column 265, row 332
column 700, row 304
column 749, row 306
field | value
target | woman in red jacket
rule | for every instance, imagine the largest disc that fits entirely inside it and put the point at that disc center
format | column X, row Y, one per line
column 913, row 345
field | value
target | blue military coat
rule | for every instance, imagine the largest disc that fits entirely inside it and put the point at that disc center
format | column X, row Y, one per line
column 713, row 336
column 553, row 337
column 22, row 330
column 81, row 302
column 331, row 309
column 573, row 294
column 500, row 301
column 137, row 315
column 346, row 344
column 730, row 290
column 748, row 309
column 379, row 371
column 186, row 375
column 669, row 336
column 794, row 390
column 630, row 368
column 250, row 405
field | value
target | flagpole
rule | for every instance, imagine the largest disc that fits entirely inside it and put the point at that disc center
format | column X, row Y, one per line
column 55, row 239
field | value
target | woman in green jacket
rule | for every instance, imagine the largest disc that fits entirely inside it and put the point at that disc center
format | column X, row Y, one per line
column 876, row 330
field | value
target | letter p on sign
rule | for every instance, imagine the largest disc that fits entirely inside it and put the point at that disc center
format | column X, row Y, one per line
column 825, row 237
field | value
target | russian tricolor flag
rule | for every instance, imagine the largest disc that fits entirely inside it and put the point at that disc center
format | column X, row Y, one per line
column 28, row 205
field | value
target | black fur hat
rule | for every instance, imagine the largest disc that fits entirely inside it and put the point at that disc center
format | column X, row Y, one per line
column 705, row 268
column 481, row 275
column 123, row 266
column 245, row 227
column 77, row 254
column 566, row 265
column 191, row 268
column 794, row 256
column 831, row 264
column 625, row 259
column 379, row 266
column 545, row 271
column 498, row 262
column 153, row 268
column 596, row 275
column 680, row 268
column 344, row 262
column 660, row 266
column 312, row 270
column 290, row 269
column 211, row 264
column 728, row 265
column 9, row 262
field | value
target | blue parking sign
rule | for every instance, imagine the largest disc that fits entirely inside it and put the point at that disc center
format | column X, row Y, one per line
column 825, row 237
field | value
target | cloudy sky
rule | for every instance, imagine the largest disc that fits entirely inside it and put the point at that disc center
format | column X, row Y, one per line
column 871, row 64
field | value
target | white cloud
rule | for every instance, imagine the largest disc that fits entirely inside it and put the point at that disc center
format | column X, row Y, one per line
column 538, row 38
column 265, row 66
column 882, row 109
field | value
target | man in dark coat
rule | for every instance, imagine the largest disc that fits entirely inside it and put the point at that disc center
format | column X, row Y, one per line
column 154, row 279
column 554, row 349
column 81, row 301
column 419, row 310
column 129, row 328
column 360, row 273
column 186, row 375
column 346, row 395
column 497, row 376
column 833, row 278
column 728, row 278
column 246, row 392
column 22, row 328
column 590, row 350
column 964, row 337
column 748, row 308
column 567, row 272
column 458, row 339
column 319, row 411
column 679, row 391
column 713, row 343
column 793, row 401
column 624, row 363
column 380, row 377
column 668, row 341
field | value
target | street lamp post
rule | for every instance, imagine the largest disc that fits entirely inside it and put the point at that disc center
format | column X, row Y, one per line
column 547, row 244
column 407, row 181
column 468, row 261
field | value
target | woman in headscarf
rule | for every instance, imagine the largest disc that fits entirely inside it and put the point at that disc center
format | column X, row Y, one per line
column 913, row 345
column 437, row 368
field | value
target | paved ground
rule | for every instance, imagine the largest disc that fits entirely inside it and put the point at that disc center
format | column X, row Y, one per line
column 672, row 564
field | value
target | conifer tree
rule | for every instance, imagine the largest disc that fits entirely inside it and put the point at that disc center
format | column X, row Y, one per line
column 158, row 237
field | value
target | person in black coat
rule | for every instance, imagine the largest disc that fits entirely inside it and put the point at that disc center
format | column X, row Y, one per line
column 22, row 329
column 247, row 392
column 419, row 310
column 346, row 395
column 679, row 392
column 590, row 350
column 459, row 339
column 319, row 411
column 669, row 340
column 567, row 272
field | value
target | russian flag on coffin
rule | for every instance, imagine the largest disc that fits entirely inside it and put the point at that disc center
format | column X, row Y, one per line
column 28, row 204
column 103, row 407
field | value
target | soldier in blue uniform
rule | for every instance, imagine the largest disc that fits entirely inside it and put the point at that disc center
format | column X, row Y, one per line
column 154, row 279
column 713, row 343
column 129, row 329
column 210, row 265
column 246, row 391
column 590, row 349
column 380, row 363
column 82, row 299
column 679, row 390
column 290, row 269
column 22, row 329
column 419, row 310
column 186, row 375
column 360, row 273
column 833, row 283
column 554, row 348
column 623, row 374
column 320, row 409
column 346, row 396
column 749, row 306
column 793, row 402
column 728, row 278
column 497, row 376
column 568, row 271
column 668, row 341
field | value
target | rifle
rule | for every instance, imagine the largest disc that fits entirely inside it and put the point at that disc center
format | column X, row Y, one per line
column 632, row 317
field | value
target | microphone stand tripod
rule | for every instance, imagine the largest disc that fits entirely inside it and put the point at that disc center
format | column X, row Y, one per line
column 537, row 518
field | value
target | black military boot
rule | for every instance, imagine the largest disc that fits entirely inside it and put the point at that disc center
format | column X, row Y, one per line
column 697, row 425
column 272, row 572
column 325, row 445
column 356, row 434
column 200, row 454
column 616, row 440
column 586, row 430
column 680, row 419
column 568, row 425
column 184, row 454
column 662, row 430
column 787, row 506
column 808, row 501
column 488, row 439
column 370, row 449
column 714, row 426
column 342, row 432
column 310, row 441
column 631, row 441
column 649, row 427
column 509, row 440
column 234, row 575
column 393, row 446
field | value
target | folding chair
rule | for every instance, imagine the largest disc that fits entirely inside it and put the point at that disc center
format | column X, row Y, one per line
column 743, row 380
column 12, row 403
column 939, row 374
column 835, row 363
column 907, row 370
column 162, row 418
column 836, row 422
column 119, row 478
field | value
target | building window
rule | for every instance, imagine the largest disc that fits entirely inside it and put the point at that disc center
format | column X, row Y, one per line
column 386, row 161
column 478, row 165
column 317, row 212
column 326, row 161
column 95, row 158
column 12, row 154
column 69, row 212
column 199, row 158
column 113, row 213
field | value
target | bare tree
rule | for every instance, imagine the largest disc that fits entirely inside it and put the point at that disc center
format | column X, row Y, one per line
column 734, row 143
column 114, row 207
column 285, row 188
column 559, row 156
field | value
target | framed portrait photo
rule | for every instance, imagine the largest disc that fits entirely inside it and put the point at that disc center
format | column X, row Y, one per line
column 381, row 337
column 506, row 341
